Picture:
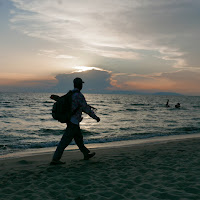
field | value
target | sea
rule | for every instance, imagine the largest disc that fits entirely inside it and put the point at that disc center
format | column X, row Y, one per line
column 26, row 123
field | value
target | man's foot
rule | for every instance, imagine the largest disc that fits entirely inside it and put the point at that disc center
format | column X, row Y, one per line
column 53, row 162
column 88, row 156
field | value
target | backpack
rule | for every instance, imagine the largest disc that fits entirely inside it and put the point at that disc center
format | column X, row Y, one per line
column 61, row 110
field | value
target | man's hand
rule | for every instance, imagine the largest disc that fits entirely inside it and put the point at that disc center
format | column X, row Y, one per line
column 54, row 97
column 98, row 119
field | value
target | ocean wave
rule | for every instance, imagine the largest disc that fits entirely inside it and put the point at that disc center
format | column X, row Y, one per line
column 37, row 145
column 48, row 105
column 51, row 102
column 3, row 147
column 126, row 128
column 196, row 118
column 196, row 106
column 47, row 132
column 182, row 130
column 8, row 106
column 131, row 109
column 124, row 138
column 6, row 102
column 88, row 133
column 33, row 145
column 139, row 104
column 117, row 102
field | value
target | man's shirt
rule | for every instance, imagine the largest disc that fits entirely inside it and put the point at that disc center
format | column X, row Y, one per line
column 78, row 101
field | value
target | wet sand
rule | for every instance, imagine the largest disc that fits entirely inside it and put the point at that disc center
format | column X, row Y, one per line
column 163, row 170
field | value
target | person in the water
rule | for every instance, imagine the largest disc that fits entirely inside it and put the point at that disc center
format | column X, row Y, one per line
column 178, row 105
column 167, row 104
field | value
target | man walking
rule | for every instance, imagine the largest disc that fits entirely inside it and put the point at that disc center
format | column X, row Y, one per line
column 73, row 131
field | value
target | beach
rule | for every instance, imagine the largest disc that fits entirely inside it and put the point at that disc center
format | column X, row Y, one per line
column 168, row 169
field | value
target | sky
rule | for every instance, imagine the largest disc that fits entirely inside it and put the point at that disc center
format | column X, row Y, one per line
column 129, row 45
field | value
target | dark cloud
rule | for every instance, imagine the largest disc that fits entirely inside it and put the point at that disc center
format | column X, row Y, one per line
column 99, row 81
column 96, row 81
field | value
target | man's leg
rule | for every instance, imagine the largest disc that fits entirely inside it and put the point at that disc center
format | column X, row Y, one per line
column 64, row 142
column 78, row 137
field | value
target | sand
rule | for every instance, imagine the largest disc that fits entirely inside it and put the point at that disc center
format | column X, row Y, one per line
column 163, row 170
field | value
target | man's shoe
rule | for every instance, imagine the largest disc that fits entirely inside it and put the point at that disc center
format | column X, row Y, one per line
column 53, row 162
column 88, row 156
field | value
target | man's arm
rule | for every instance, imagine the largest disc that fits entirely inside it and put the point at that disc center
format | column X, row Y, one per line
column 87, row 109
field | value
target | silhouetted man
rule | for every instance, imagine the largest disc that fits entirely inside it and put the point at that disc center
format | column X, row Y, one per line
column 73, row 131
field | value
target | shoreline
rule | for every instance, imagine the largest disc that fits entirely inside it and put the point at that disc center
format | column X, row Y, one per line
column 93, row 146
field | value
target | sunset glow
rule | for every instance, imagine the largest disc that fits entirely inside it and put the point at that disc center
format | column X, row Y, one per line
column 138, row 45
column 85, row 68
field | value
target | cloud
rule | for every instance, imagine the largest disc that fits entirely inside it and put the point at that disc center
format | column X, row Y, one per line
column 135, row 82
column 113, row 52
column 170, row 28
column 96, row 81
column 148, row 45
column 55, row 54
column 182, row 81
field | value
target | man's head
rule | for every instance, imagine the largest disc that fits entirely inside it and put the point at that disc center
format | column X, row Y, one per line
column 78, row 83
